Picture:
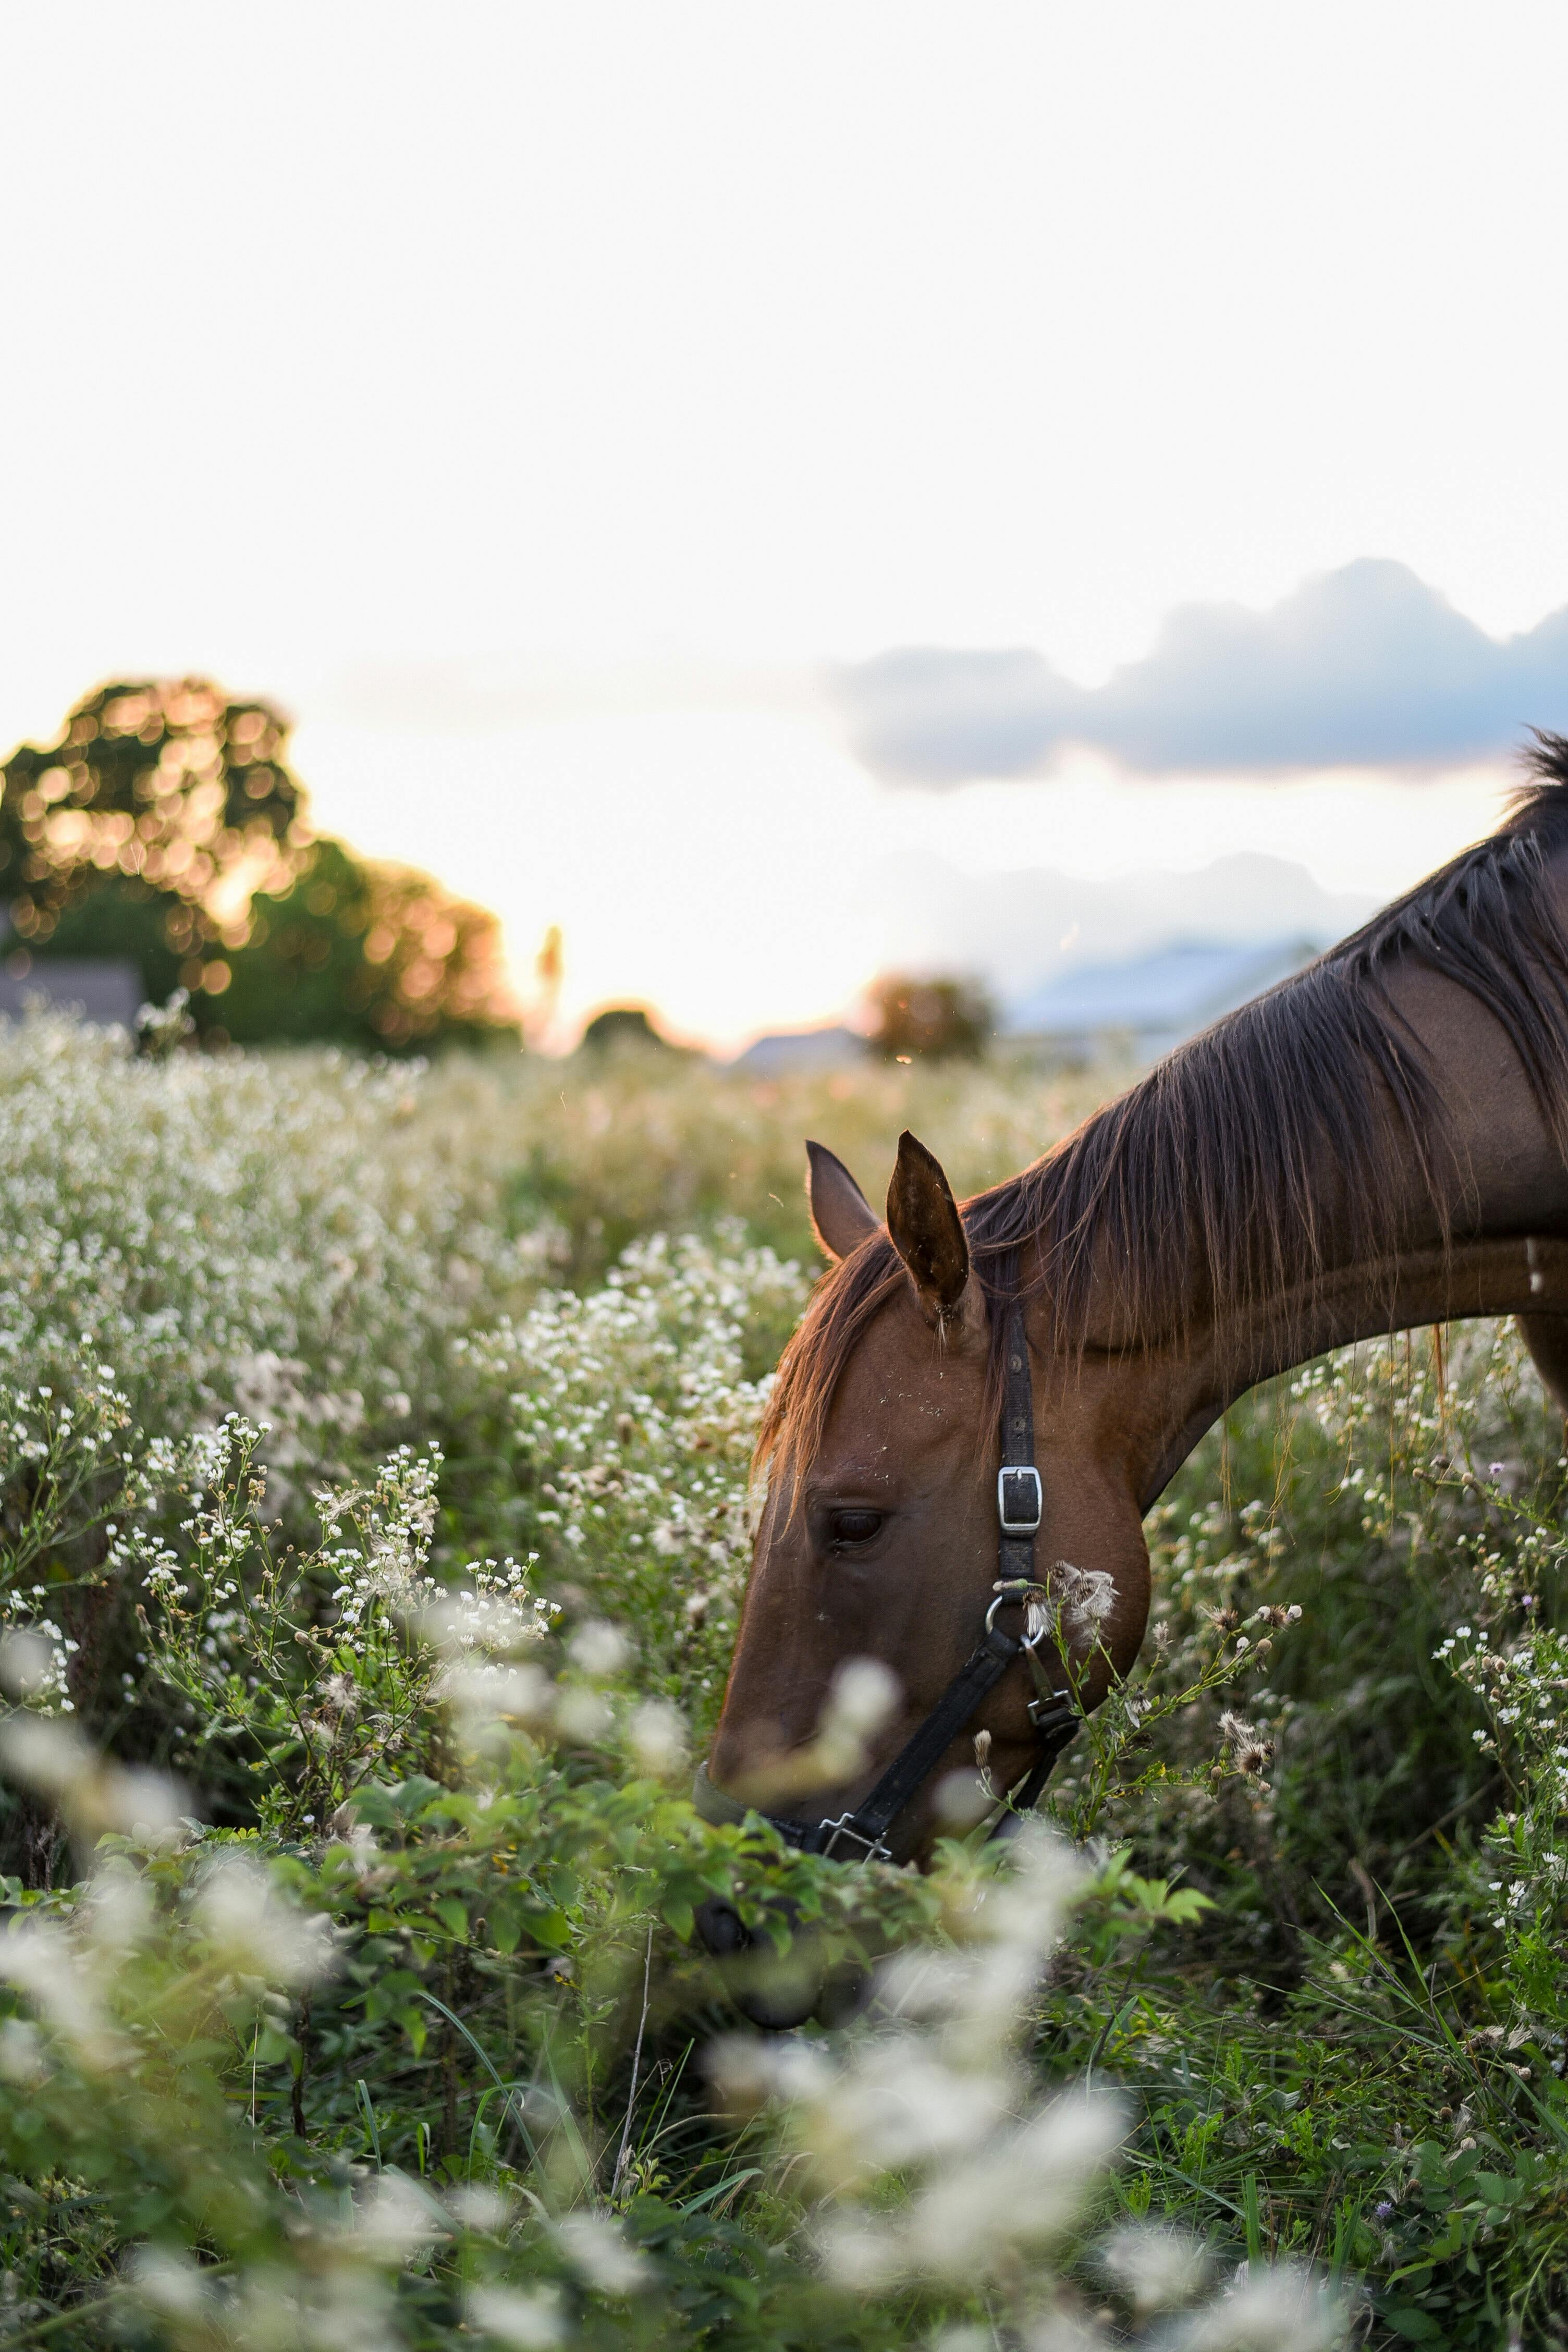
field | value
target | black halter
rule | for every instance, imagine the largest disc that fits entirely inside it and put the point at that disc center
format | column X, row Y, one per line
column 861, row 1835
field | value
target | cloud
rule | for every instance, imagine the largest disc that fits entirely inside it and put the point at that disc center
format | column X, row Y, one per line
column 1362, row 667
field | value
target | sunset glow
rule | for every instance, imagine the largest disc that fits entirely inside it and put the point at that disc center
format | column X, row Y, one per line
column 552, row 410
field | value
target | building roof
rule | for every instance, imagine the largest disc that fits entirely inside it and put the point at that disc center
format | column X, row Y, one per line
column 801, row 1049
column 104, row 989
column 1168, row 995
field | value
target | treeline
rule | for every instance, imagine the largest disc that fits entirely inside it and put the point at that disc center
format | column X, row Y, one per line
column 164, row 828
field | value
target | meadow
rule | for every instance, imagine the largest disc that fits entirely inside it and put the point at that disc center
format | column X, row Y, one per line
column 373, row 1446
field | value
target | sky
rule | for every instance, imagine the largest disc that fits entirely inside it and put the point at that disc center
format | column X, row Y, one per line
column 781, row 491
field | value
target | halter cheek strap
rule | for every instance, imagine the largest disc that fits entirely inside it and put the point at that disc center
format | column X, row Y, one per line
column 1020, row 1504
column 861, row 1834
column 1020, row 1500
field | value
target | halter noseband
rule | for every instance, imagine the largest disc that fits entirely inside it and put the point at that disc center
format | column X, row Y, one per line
column 861, row 1835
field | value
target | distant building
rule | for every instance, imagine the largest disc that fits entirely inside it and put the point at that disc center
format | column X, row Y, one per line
column 801, row 1049
column 1151, row 1003
column 104, row 989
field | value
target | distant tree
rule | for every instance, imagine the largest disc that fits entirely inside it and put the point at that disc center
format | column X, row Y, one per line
column 169, row 786
column 621, row 1026
column 929, row 1018
column 165, row 828
column 369, row 955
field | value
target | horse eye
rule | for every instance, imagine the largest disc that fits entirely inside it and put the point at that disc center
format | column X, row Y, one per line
column 853, row 1527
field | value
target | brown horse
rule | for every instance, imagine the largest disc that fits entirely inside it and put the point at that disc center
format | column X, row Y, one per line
column 1378, row 1143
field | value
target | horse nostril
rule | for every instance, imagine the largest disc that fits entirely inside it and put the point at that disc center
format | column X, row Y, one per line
column 845, row 1996
column 777, row 1995
column 721, row 1929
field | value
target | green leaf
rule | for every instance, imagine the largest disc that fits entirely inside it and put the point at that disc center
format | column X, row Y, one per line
column 375, row 1805
column 1413, row 2325
column 553, row 1929
column 414, row 1796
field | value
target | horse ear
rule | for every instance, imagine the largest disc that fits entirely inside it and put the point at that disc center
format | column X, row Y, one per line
column 840, row 1209
column 926, row 1230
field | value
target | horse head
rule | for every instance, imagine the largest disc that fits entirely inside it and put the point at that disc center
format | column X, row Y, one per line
column 879, row 1540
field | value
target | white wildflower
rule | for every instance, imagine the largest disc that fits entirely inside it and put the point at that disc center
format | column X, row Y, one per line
column 582, row 1717
column 1063, row 2331
column 746, row 2072
column 863, row 2255
column 528, row 2320
column 33, row 1663
column 599, row 1648
column 395, row 2218
column 254, row 1931
column 1086, row 1597
column 484, row 1692
column 657, row 1736
column 1028, row 1903
column 597, row 2250
column 45, row 1754
column 1022, row 2191
column 43, row 1963
column 863, row 1695
column 138, row 1802
column 22, row 2060
column 1155, row 2268
column 478, row 2207
column 117, row 1913
column 170, row 2281
column 1283, row 2310
column 898, row 2105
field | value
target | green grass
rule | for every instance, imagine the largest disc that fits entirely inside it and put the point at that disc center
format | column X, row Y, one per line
column 1311, row 1946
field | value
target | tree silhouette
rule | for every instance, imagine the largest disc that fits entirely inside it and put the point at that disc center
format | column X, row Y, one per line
column 171, row 787
column 165, row 826
column 933, row 1018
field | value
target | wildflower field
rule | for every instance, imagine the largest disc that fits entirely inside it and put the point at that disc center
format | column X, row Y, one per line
column 373, row 1445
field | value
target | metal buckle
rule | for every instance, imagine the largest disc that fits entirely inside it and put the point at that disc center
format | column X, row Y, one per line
column 1053, row 1714
column 831, row 1832
column 1018, row 1491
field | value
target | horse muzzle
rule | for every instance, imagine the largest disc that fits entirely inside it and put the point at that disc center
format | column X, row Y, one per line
column 779, row 1991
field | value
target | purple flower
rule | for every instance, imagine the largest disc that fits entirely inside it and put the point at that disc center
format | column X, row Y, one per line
column 1382, row 2210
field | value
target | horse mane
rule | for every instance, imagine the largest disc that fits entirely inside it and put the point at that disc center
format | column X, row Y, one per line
column 1201, row 1186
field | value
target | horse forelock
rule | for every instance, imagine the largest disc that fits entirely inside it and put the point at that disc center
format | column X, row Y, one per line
column 841, row 1306
column 1205, row 1186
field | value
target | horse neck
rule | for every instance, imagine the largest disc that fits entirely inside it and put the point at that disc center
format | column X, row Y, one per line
column 1469, row 1220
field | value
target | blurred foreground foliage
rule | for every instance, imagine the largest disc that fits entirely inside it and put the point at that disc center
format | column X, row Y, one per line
column 352, row 1987
column 165, row 828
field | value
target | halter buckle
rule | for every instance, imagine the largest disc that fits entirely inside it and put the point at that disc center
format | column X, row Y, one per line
column 1054, row 1714
column 1020, row 1498
column 872, row 1849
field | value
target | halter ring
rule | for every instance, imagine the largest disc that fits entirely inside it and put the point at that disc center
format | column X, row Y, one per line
column 1019, row 1589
